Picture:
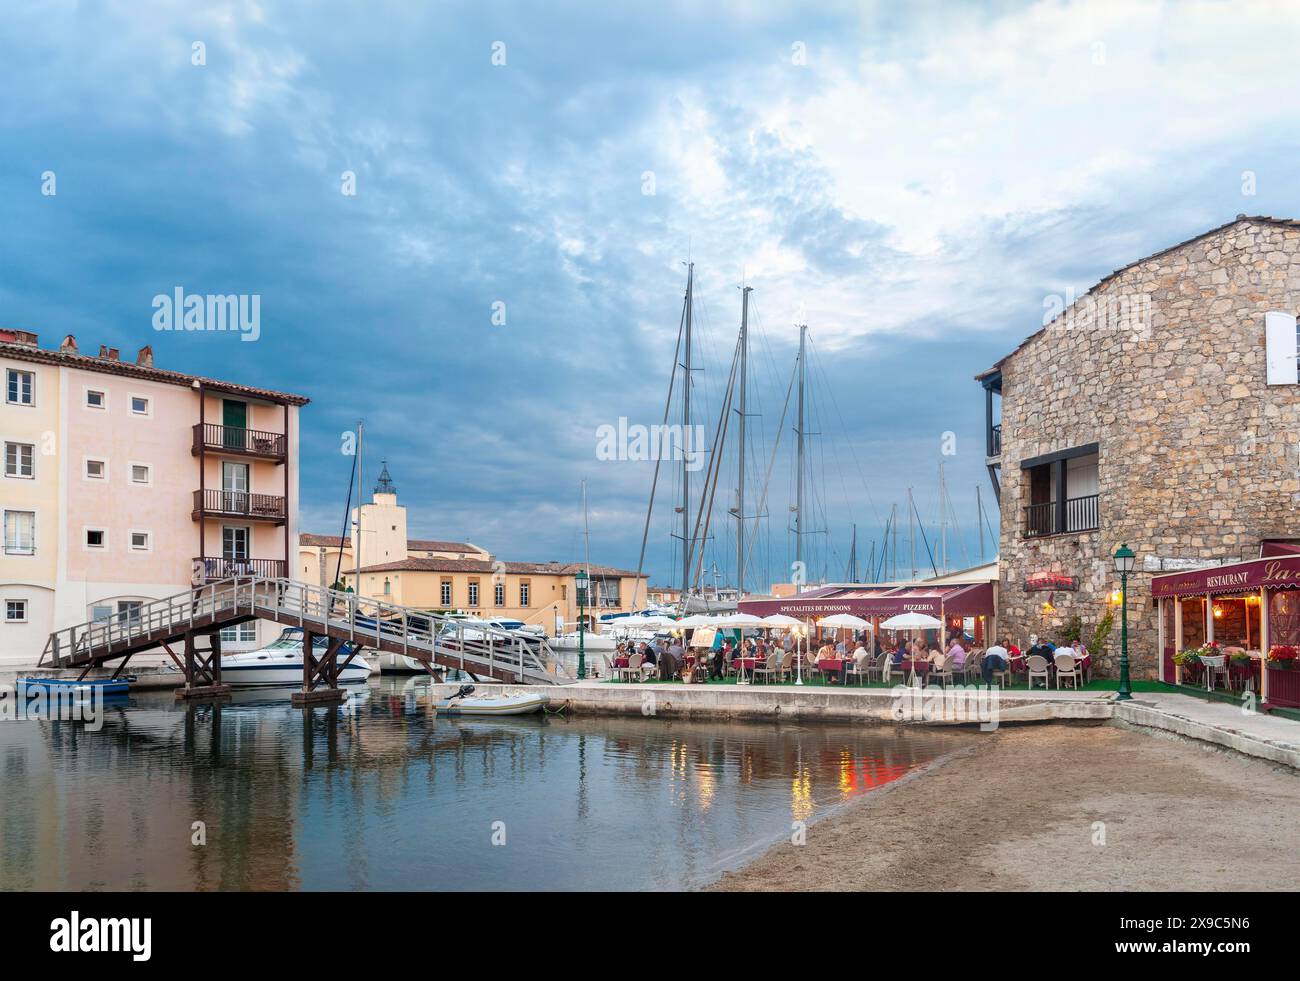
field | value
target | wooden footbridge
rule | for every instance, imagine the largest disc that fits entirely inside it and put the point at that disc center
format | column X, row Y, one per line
column 434, row 640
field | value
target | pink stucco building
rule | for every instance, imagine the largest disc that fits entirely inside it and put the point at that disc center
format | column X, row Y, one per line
column 124, row 482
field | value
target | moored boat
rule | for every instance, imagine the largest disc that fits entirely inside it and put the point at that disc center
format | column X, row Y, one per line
column 280, row 663
column 462, row 704
column 104, row 686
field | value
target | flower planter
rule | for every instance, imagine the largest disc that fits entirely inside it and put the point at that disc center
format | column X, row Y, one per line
column 1284, row 687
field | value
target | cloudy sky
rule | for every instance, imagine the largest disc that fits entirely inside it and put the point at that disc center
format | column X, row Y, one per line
column 913, row 181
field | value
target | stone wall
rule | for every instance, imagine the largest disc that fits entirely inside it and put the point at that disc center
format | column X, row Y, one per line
column 1198, row 456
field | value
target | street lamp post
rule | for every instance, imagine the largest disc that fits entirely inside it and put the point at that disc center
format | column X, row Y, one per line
column 1123, row 565
column 581, row 580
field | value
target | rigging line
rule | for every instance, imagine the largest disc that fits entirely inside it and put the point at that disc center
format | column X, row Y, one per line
column 347, row 516
column 956, row 527
column 921, row 527
column 645, row 531
column 852, row 452
column 711, row 477
column 990, row 528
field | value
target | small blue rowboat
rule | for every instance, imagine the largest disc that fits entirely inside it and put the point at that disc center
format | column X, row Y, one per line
column 104, row 686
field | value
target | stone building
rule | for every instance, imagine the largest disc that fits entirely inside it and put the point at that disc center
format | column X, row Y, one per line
column 1159, row 409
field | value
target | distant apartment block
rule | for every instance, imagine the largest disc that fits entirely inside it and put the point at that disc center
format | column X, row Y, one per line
column 124, row 482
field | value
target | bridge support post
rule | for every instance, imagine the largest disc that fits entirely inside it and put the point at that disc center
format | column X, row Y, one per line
column 202, row 674
column 320, row 677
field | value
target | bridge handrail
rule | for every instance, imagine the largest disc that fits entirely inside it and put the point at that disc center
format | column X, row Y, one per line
column 364, row 620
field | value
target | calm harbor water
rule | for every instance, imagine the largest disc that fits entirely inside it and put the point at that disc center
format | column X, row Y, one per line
column 381, row 794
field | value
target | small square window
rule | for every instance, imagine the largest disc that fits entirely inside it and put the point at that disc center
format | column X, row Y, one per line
column 19, row 387
column 139, row 473
column 96, row 469
column 15, row 611
column 139, row 405
column 20, row 459
column 95, row 538
column 140, row 541
column 95, row 400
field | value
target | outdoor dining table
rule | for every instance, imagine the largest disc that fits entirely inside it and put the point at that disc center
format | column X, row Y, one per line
column 919, row 666
column 831, row 666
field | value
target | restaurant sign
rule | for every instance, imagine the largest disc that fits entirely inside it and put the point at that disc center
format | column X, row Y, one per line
column 1050, row 582
column 1234, row 578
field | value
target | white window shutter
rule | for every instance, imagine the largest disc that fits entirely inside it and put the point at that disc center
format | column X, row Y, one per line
column 1280, row 345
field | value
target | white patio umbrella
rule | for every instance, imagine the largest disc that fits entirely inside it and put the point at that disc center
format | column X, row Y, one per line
column 742, row 620
column 912, row 621
column 695, row 620
column 781, row 620
column 844, row 620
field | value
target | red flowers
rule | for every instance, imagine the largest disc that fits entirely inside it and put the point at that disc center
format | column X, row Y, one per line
column 1283, row 656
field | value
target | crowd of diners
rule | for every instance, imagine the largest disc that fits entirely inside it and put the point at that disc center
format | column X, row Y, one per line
column 843, row 655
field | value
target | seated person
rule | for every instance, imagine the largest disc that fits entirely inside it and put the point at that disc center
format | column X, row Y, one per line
column 861, row 657
column 958, row 655
column 995, row 659
column 901, row 653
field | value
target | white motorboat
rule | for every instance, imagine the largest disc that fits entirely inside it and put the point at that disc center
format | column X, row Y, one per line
column 465, row 703
column 280, row 663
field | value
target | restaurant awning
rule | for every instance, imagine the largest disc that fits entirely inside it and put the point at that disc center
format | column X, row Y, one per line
column 1280, row 571
column 957, row 599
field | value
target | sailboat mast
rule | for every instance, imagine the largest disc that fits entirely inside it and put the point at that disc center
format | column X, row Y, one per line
column 943, row 520
column 911, row 530
column 686, row 441
column 798, row 504
column 361, row 432
column 740, row 486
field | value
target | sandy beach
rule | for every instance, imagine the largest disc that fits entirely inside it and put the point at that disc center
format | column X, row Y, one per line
column 1021, row 811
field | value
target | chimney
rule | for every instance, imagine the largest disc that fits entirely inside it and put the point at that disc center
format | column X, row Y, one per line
column 108, row 353
column 69, row 345
column 19, row 337
column 145, row 357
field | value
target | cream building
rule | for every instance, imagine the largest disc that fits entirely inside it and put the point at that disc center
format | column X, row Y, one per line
column 457, row 576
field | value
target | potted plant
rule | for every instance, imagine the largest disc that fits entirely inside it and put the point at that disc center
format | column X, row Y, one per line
column 1283, row 657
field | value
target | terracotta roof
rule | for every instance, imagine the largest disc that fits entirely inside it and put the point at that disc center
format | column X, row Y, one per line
column 32, row 353
column 431, row 545
column 322, row 541
column 412, row 544
column 1252, row 219
column 484, row 566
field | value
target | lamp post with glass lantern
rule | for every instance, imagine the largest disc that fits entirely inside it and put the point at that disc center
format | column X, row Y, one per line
column 1123, row 565
column 581, row 580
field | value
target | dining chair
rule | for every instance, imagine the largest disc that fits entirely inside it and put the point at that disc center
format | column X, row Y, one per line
column 1067, row 668
column 1037, row 666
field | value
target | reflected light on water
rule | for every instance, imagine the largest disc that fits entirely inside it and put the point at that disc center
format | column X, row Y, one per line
column 383, row 794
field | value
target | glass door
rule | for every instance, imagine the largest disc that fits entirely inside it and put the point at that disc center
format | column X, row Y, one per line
column 234, row 487
column 234, row 551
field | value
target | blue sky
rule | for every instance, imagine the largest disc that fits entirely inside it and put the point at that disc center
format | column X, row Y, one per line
column 913, row 181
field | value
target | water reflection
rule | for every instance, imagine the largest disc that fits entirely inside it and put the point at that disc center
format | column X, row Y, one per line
column 381, row 793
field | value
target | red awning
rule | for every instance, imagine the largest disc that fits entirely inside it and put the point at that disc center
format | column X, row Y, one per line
column 961, row 599
column 1237, row 577
column 1269, row 548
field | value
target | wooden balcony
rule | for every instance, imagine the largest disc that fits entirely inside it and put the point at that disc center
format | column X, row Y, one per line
column 237, row 441
column 237, row 504
column 1079, row 514
column 213, row 569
